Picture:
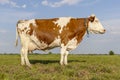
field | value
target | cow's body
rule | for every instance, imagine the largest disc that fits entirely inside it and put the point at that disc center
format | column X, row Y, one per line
column 44, row 34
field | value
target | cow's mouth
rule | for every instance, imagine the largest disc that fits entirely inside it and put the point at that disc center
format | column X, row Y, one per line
column 98, row 32
column 102, row 32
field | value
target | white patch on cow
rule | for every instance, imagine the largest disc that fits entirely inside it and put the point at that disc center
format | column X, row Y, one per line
column 26, row 42
column 56, row 42
column 72, row 44
column 95, row 27
column 62, row 22
column 25, row 24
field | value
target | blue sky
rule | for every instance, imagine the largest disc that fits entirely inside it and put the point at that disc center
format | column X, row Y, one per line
column 108, row 11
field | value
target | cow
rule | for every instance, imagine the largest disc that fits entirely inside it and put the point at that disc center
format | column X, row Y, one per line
column 63, row 32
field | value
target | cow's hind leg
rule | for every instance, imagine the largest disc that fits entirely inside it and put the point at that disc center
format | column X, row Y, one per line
column 24, row 57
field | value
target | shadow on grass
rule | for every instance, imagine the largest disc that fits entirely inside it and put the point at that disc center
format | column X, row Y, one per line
column 52, row 61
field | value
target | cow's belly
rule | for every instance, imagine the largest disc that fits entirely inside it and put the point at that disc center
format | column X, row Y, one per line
column 44, row 46
column 55, row 43
column 41, row 45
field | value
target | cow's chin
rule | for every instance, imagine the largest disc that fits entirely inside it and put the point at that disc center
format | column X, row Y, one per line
column 97, row 32
column 102, row 31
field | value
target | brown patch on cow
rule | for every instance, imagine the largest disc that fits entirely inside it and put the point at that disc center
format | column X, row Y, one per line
column 31, row 29
column 45, row 30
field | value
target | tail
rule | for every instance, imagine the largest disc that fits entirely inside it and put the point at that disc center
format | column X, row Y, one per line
column 17, row 31
column 16, row 42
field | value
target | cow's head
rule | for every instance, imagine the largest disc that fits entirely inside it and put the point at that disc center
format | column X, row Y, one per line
column 94, row 25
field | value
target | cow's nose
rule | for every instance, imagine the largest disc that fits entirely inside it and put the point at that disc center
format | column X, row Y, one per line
column 104, row 30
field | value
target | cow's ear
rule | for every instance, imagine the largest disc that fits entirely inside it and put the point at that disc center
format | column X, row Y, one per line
column 91, row 18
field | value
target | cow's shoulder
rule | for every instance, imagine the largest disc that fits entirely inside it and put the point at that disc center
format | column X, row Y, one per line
column 74, row 30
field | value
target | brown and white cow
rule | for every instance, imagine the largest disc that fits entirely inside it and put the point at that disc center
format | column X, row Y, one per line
column 64, row 32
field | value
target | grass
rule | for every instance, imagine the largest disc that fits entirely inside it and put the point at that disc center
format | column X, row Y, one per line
column 46, row 67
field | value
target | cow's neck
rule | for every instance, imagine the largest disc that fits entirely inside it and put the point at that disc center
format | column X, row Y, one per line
column 86, row 25
column 83, row 28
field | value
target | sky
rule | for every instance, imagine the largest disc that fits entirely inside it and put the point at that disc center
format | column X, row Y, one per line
column 108, row 12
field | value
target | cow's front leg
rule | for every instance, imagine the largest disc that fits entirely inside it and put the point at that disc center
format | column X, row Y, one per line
column 63, row 50
column 65, row 57
column 62, row 59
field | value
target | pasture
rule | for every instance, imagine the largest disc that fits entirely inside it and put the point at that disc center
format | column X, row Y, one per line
column 47, row 67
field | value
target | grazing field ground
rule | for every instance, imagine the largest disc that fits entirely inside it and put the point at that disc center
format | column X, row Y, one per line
column 46, row 67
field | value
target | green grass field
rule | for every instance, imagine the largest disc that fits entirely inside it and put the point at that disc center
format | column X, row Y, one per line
column 47, row 67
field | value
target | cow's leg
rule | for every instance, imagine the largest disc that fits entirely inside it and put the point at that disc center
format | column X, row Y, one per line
column 65, row 57
column 26, row 58
column 63, row 50
column 62, row 58
column 22, row 57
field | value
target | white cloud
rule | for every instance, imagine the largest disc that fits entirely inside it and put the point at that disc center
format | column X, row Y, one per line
column 11, row 3
column 60, row 3
column 24, row 6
